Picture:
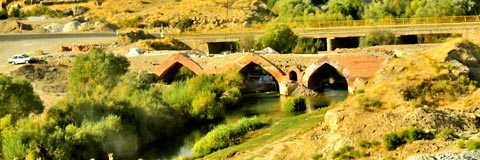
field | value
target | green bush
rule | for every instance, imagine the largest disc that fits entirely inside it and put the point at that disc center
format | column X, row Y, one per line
column 280, row 38
column 294, row 104
column 184, row 24
column 17, row 98
column 449, row 134
column 96, row 70
column 472, row 145
column 366, row 144
column 348, row 152
column 14, row 11
column 308, row 46
column 3, row 13
column 224, row 136
column 394, row 140
column 378, row 38
column 368, row 103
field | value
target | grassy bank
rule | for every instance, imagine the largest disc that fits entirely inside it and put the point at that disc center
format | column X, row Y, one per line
column 289, row 126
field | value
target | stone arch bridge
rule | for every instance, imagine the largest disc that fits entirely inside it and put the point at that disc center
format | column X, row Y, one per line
column 284, row 68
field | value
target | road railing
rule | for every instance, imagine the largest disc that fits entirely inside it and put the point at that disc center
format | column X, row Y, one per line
column 256, row 29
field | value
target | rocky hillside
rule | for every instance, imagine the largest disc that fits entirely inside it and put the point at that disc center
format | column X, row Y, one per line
column 434, row 91
column 173, row 15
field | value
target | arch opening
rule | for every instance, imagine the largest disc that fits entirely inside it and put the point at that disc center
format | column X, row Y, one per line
column 327, row 77
column 293, row 76
column 256, row 79
column 177, row 72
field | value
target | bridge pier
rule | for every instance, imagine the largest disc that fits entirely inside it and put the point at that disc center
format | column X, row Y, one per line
column 329, row 43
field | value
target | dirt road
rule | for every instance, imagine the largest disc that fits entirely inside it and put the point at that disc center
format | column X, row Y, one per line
column 9, row 48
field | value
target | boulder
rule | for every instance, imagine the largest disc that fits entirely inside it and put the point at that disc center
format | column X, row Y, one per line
column 71, row 27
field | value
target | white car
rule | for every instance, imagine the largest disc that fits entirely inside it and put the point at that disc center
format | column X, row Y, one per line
column 21, row 58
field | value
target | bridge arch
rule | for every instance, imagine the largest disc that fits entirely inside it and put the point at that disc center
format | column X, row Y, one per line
column 294, row 74
column 268, row 66
column 325, row 62
column 175, row 62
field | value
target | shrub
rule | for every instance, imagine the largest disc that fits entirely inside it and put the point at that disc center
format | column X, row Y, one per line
column 18, row 98
column 3, row 13
column 280, row 38
column 348, row 152
column 472, row 145
column 224, row 135
column 293, row 104
column 368, row 103
column 378, row 38
column 39, row 10
column 460, row 143
column 366, row 144
column 392, row 141
column 184, row 24
column 14, row 11
column 308, row 46
column 449, row 134
column 96, row 69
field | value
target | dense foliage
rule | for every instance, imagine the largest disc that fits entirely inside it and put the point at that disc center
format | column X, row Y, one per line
column 17, row 98
column 280, row 38
column 320, row 10
column 294, row 104
column 110, row 110
column 393, row 140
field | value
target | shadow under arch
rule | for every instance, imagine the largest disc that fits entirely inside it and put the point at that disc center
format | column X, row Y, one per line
column 257, row 70
column 333, row 72
column 173, row 64
column 266, row 65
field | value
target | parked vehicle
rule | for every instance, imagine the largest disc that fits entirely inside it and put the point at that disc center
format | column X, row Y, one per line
column 21, row 58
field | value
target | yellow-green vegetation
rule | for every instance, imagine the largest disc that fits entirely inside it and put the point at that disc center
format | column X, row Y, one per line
column 367, row 144
column 294, row 104
column 469, row 144
column 280, row 38
column 393, row 140
column 285, row 127
column 17, row 98
column 166, row 43
column 349, row 152
column 227, row 135
column 108, row 110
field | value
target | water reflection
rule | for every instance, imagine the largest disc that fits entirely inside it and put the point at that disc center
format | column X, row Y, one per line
column 261, row 104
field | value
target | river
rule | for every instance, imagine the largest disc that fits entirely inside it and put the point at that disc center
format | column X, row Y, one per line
column 260, row 104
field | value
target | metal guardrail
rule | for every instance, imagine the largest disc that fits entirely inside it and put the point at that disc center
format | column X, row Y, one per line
column 255, row 29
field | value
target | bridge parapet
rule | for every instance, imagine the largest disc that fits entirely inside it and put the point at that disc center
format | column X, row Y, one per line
column 284, row 68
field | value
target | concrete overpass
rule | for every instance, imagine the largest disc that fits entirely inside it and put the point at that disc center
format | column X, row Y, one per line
column 286, row 69
column 463, row 25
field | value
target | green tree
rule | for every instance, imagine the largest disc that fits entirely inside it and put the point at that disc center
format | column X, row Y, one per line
column 288, row 10
column 436, row 8
column 386, row 9
column 94, row 70
column 18, row 98
column 346, row 9
column 280, row 37
column 308, row 46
